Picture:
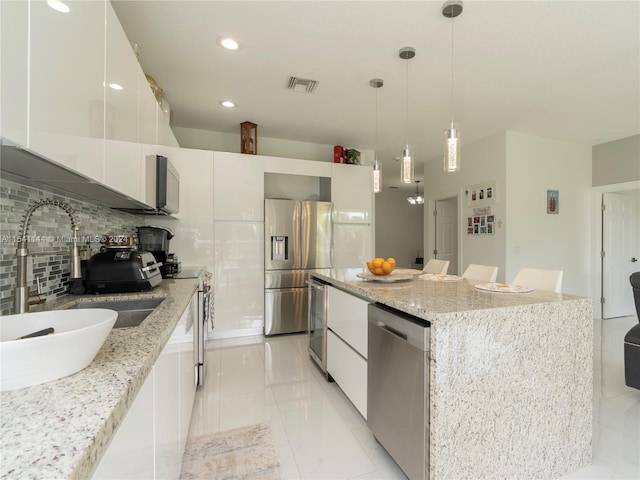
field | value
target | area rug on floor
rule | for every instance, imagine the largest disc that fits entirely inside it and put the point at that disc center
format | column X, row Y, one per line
column 238, row 454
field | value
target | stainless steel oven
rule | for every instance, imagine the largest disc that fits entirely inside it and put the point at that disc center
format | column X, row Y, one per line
column 202, row 318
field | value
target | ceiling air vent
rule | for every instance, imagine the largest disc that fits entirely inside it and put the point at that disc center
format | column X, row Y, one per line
column 301, row 84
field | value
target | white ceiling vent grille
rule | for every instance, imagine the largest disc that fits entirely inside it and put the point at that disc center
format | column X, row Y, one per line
column 301, row 84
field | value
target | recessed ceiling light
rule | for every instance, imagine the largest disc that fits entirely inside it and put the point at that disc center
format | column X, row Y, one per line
column 227, row 103
column 228, row 43
column 59, row 6
column 116, row 86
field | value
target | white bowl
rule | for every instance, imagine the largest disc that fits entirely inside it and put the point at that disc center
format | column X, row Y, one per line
column 77, row 338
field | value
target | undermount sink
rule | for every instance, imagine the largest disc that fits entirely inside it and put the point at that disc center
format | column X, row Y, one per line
column 76, row 339
column 131, row 313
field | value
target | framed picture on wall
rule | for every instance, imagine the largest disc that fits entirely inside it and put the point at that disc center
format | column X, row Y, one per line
column 481, row 194
column 553, row 202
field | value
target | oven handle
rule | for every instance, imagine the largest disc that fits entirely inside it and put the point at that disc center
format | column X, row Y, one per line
column 207, row 307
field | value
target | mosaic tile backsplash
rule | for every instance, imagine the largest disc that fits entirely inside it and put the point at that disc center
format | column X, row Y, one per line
column 48, row 238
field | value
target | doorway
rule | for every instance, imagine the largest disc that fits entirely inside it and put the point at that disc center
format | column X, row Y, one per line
column 620, row 255
column 445, row 232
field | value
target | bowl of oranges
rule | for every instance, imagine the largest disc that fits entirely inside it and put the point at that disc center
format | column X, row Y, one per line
column 380, row 266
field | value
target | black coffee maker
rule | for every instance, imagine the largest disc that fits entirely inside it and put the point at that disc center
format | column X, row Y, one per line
column 156, row 240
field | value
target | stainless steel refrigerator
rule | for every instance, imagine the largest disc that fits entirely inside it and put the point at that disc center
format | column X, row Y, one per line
column 298, row 236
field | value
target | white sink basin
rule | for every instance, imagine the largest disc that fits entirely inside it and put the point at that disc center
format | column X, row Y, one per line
column 77, row 338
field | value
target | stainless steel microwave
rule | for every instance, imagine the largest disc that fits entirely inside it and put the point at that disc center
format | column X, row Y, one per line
column 167, row 186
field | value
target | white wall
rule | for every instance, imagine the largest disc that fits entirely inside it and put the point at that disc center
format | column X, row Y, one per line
column 535, row 238
column 616, row 162
column 399, row 229
column 482, row 161
column 230, row 142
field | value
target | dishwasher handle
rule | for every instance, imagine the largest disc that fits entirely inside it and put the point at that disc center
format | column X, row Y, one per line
column 414, row 331
column 392, row 331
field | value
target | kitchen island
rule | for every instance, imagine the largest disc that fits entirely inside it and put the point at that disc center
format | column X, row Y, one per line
column 511, row 375
column 61, row 429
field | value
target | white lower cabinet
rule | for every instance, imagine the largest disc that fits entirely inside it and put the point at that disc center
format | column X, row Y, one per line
column 130, row 453
column 150, row 441
column 349, row 370
column 347, row 345
column 347, row 317
column 167, row 412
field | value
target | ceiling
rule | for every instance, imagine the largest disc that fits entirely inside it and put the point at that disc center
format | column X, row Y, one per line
column 561, row 69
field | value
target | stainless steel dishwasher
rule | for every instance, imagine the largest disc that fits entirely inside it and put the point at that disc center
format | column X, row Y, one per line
column 398, row 387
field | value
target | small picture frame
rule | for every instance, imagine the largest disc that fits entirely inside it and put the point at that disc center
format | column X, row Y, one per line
column 481, row 194
column 553, row 202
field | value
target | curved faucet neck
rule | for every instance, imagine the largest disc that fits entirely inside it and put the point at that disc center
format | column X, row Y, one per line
column 22, row 298
column 42, row 203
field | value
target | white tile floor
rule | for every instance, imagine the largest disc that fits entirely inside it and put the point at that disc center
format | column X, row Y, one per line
column 320, row 435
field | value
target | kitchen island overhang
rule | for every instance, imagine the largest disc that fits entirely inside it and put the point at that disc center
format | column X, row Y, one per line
column 511, row 376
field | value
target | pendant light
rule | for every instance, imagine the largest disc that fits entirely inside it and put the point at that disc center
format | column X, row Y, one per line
column 416, row 199
column 452, row 9
column 377, row 173
column 406, row 165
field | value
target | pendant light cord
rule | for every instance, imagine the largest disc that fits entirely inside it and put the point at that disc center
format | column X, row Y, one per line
column 407, row 109
column 375, row 142
column 452, row 17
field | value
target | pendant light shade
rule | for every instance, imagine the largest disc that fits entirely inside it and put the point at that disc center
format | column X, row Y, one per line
column 377, row 177
column 377, row 172
column 452, row 9
column 416, row 199
column 452, row 150
column 406, row 170
column 406, row 162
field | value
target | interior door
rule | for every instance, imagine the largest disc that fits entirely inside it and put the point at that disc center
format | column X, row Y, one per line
column 446, row 232
column 621, row 251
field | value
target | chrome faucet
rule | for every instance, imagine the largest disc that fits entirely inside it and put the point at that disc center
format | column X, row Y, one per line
column 22, row 300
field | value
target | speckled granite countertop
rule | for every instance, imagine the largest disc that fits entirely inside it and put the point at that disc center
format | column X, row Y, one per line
column 427, row 299
column 510, row 376
column 60, row 429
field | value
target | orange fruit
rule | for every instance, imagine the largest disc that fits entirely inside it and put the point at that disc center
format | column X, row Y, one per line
column 391, row 260
column 387, row 268
column 378, row 271
column 377, row 262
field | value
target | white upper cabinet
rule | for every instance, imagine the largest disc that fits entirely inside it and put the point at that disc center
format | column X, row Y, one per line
column 66, row 95
column 147, row 112
column 351, row 193
column 238, row 187
column 124, row 162
column 165, row 134
column 121, row 94
column 13, row 65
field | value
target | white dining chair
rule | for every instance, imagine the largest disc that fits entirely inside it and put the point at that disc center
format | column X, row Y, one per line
column 436, row 266
column 486, row 273
column 539, row 279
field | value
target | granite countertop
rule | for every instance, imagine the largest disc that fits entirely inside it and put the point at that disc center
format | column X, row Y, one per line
column 61, row 429
column 428, row 299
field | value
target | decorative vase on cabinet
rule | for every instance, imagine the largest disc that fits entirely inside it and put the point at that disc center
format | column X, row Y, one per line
column 249, row 138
